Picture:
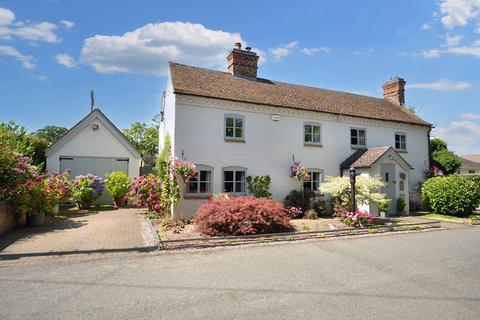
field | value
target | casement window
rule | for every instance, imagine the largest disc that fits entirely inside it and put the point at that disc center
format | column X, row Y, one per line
column 401, row 141
column 311, row 133
column 202, row 182
column 234, row 127
column 471, row 171
column 358, row 137
column 316, row 177
column 234, row 180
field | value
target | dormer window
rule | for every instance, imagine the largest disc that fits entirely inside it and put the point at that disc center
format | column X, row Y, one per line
column 234, row 127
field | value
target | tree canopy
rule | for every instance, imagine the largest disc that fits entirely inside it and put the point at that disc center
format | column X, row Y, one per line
column 143, row 137
column 50, row 133
column 449, row 161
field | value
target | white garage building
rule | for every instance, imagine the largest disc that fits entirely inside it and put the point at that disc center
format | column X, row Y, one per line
column 94, row 145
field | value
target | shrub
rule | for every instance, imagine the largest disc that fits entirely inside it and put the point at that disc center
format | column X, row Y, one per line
column 383, row 206
column 86, row 189
column 145, row 191
column 60, row 187
column 400, row 204
column 311, row 214
column 258, row 186
column 357, row 219
column 15, row 170
column 293, row 212
column 297, row 199
column 242, row 215
column 451, row 195
column 117, row 183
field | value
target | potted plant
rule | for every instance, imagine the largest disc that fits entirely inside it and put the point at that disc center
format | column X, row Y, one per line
column 60, row 188
column 185, row 169
column 383, row 208
column 117, row 183
column 86, row 189
column 34, row 200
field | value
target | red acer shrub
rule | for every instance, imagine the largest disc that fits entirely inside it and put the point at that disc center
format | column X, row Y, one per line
column 242, row 215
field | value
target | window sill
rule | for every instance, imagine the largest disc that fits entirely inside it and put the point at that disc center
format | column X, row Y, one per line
column 312, row 144
column 358, row 147
column 201, row 196
column 234, row 140
column 401, row 151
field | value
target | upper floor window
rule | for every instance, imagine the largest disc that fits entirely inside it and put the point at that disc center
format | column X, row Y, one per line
column 400, row 141
column 358, row 137
column 471, row 171
column 234, row 127
column 311, row 133
column 202, row 182
column 234, row 180
column 316, row 177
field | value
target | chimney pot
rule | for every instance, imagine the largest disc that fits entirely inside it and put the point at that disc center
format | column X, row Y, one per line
column 394, row 90
column 238, row 45
column 248, row 48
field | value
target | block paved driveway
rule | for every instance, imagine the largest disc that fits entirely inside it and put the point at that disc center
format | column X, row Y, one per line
column 102, row 232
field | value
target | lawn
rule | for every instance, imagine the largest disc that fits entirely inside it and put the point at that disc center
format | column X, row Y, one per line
column 441, row 217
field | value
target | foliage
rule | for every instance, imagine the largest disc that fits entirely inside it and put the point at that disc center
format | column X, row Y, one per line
column 50, row 133
column 34, row 196
column 400, row 204
column 311, row 214
column 366, row 190
column 15, row 170
column 170, row 192
column 145, row 191
column 242, row 215
column 383, row 206
column 357, row 219
column 143, row 137
column 297, row 199
column 449, row 161
column 87, row 188
column 185, row 169
column 60, row 187
column 258, row 186
column 451, row 195
column 299, row 172
column 174, row 225
column 117, row 183
column 435, row 171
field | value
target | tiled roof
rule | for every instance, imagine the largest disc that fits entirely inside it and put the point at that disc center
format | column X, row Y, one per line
column 470, row 160
column 222, row 85
column 364, row 158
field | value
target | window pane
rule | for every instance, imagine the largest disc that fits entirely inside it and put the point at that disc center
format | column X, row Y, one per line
column 228, row 175
column 315, row 176
column 316, row 138
column 354, row 141
column 229, row 132
column 397, row 138
column 228, row 187
column 229, row 122
column 353, row 132
column 238, row 123
column 307, row 185
column 361, row 141
column 316, row 129
column 307, row 137
column 238, row 133
column 315, row 185
column 204, row 187
column 239, row 175
column 204, row 175
column 397, row 144
column 239, row 187
column 192, row 187
column 361, row 133
column 307, row 128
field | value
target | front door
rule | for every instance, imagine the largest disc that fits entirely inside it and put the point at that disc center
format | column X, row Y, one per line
column 388, row 176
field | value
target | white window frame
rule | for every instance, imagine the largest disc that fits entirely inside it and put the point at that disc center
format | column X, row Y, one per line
column 312, row 124
column 311, row 181
column 201, row 167
column 358, row 145
column 235, row 118
column 235, row 169
column 400, row 134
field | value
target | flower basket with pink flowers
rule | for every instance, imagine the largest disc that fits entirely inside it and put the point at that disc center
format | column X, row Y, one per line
column 185, row 169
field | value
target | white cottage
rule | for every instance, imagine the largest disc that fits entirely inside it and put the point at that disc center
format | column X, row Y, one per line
column 234, row 124
column 96, row 146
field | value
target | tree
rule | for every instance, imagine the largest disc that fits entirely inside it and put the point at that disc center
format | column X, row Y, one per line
column 143, row 137
column 449, row 161
column 50, row 133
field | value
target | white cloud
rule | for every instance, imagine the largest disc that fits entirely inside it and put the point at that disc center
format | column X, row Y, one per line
column 470, row 116
column 441, row 85
column 313, row 51
column 459, row 12
column 469, row 50
column 462, row 136
column 362, row 52
column 6, row 17
column 25, row 60
column 426, row 26
column 284, row 50
column 66, row 60
column 451, row 41
column 67, row 24
column 149, row 48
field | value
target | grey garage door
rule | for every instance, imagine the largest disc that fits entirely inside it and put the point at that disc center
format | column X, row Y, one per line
column 97, row 166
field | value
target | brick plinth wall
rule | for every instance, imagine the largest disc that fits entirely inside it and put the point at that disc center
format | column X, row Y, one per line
column 7, row 217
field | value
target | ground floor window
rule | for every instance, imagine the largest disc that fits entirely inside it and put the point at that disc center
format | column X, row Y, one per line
column 315, row 179
column 234, row 180
column 202, row 182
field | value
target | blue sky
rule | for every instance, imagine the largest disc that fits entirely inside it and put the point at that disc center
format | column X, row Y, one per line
column 52, row 52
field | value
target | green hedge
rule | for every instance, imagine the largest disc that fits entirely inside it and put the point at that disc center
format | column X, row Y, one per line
column 451, row 195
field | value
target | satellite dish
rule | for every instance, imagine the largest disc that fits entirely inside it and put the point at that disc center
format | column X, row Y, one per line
column 157, row 118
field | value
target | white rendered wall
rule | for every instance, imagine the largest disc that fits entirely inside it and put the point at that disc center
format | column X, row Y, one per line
column 269, row 145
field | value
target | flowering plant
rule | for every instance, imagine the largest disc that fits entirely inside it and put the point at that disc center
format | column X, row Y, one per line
column 34, row 196
column 59, row 186
column 299, row 172
column 357, row 218
column 86, row 189
column 14, row 172
column 117, row 183
column 185, row 169
column 293, row 212
column 146, row 191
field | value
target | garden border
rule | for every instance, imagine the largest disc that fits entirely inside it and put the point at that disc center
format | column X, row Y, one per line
column 211, row 242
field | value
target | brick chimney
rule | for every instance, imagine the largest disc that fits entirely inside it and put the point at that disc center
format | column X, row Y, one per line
column 394, row 91
column 242, row 63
